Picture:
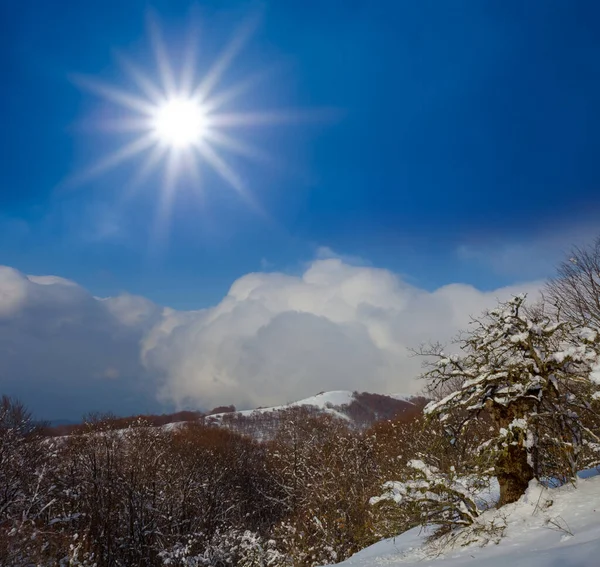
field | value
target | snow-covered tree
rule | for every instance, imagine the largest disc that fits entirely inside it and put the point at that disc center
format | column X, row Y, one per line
column 325, row 472
column 441, row 499
column 234, row 548
column 532, row 374
column 26, row 493
column 436, row 480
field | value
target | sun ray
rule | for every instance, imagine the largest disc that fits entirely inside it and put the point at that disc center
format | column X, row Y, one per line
column 151, row 162
column 219, row 99
column 222, row 168
column 272, row 117
column 183, row 123
column 214, row 74
column 192, row 167
column 167, row 77
column 237, row 146
column 186, row 83
column 194, row 175
column 165, row 204
column 118, row 96
column 141, row 80
column 124, row 153
column 122, row 124
column 171, row 174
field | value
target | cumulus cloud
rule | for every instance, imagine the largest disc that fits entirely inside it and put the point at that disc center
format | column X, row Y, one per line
column 65, row 352
column 273, row 338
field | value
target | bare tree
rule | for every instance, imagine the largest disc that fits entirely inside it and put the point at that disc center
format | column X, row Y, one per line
column 25, row 490
column 575, row 291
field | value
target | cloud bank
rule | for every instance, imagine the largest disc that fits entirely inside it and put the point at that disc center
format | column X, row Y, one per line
column 64, row 352
column 273, row 338
column 276, row 338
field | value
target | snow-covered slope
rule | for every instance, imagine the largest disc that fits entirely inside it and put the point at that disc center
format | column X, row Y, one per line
column 328, row 402
column 547, row 528
column 402, row 397
column 323, row 401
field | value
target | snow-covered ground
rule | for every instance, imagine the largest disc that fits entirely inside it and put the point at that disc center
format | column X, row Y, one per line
column 557, row 527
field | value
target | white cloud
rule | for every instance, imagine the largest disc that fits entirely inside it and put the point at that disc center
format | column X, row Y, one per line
column 273, row 338
column 276, row 338
column 326, row 253
column 12, row 292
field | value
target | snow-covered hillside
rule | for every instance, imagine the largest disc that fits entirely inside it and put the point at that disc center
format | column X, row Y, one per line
column 329, row 402
column 547, row 528
column 358, row 409
column 325, row 401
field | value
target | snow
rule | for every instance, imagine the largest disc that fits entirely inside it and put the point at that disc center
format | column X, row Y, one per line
column 335, row 398
column 384, row 552
column 557, row 527
column 322, row 401
column 174, row 426
column 433, row 406
column 595, row 374
column 518, row 423
column 588, row 334
column 402, row 397
column 325, row 401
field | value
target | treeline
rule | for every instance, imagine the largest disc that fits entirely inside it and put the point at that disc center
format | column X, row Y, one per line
column 364, row 410
column 121, row 422
column 194, row 495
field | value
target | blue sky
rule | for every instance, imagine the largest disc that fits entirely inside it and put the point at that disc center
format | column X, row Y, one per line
column 462, row 123
column 462, row 147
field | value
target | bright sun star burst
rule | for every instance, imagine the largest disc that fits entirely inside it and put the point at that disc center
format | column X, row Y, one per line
column 182, row 121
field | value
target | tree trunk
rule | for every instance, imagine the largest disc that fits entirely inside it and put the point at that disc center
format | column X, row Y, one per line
column 514, row 473
column 512, row 468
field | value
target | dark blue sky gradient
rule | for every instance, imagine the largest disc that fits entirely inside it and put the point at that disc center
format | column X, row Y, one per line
column 461, row 124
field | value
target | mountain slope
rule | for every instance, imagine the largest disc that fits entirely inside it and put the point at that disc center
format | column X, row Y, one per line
column 324, row 401
column 358, row 410
column 351, row 406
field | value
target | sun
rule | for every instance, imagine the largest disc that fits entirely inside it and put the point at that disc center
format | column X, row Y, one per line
column 178, row 119
column 180, row 122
